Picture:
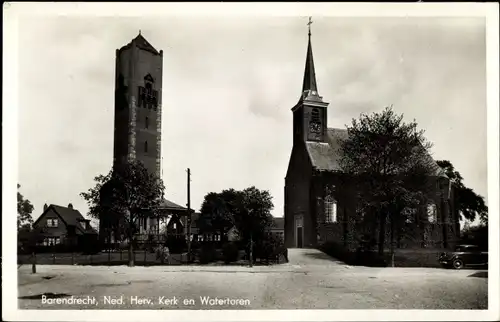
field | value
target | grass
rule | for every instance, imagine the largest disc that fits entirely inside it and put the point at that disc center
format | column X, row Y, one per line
column 416, row 257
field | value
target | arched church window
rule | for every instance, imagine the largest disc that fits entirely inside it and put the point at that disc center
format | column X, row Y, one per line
column 315, row 115
column 146, row 146
column 330, row 210
column 431, row 212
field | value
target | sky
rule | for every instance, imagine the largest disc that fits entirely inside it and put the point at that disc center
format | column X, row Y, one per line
column 228, row 86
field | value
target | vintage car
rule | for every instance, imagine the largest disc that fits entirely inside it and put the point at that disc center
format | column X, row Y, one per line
column 464, row 255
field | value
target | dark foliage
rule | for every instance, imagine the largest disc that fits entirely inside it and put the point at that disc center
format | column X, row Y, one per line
column 207, row 253
column 176, row 244
column 391, row 164
column 271, row 249
column 476, row 235
column 24, row 210
column 230, row 252
column 360, row 257
column 127, row 193
column 469, row 204
column 249, row 211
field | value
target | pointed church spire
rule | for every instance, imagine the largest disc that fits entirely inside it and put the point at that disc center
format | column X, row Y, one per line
column 309, row 86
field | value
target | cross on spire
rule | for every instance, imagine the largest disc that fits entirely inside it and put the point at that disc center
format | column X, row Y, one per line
column 309, row 25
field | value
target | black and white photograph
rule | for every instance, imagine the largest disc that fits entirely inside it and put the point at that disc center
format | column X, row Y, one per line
column 281, row 161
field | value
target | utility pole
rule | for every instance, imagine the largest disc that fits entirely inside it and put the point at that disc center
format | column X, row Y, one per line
column 189, row 213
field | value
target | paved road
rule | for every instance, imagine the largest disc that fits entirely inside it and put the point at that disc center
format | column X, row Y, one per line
column 312, row 280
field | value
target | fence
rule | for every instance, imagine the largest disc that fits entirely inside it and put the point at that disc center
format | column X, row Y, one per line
column 120, row 257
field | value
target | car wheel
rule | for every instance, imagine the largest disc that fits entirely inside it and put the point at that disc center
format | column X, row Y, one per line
column 458, row 264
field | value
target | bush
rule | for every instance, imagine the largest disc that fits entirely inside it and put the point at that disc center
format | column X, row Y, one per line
column 476, row 235
column 362, row 257
column 339, row 252
column 91, row 247
column 207, row 254
column 176, row 244
column 271, row 249
column 230, row 252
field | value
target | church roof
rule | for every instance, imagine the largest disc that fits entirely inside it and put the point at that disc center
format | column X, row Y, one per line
column 309, row 85
column 309, row 82
column 141, row 43
column 325, row 156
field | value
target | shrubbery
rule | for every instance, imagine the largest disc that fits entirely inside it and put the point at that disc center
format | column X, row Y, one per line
column 176, row 245
column 271, row 249
column 230, row 252
column 364, row 256
column 207, row 254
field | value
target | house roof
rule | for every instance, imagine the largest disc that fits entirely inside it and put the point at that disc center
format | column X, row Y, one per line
column 325, row 156
column 169, row 205
column 71, row 217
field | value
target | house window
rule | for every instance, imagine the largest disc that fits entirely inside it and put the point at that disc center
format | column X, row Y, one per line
column 200, row 238
column 51, row 241
column 52, row 222
column 147, row 122
column 431, row 213
column 175, row 225
column 146, row 146
column 330, row 210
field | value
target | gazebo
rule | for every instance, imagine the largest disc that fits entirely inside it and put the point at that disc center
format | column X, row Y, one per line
column 155, row 225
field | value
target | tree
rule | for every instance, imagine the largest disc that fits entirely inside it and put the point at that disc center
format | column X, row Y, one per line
column 254, row 215
column 477, row 235
column 248, row 210
column 24, row 210
column 469, row 204
column 123, row 196
column 390, row 164
column 217, row 212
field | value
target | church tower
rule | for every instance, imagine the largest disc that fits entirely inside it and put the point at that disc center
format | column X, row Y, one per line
column 310, row 113
column 138, row 84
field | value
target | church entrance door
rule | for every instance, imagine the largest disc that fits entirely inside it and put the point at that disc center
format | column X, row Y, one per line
column 299, row 237
column 299, row 231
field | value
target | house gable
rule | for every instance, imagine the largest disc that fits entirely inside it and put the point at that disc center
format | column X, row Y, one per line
column 67, row 217
column 49, row 213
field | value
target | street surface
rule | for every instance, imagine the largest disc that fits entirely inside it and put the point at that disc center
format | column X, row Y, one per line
column 312, row 280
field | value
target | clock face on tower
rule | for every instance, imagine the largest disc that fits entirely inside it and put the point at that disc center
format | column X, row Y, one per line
column 315, row 127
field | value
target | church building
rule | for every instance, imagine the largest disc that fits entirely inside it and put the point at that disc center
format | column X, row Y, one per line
column 319, row 198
